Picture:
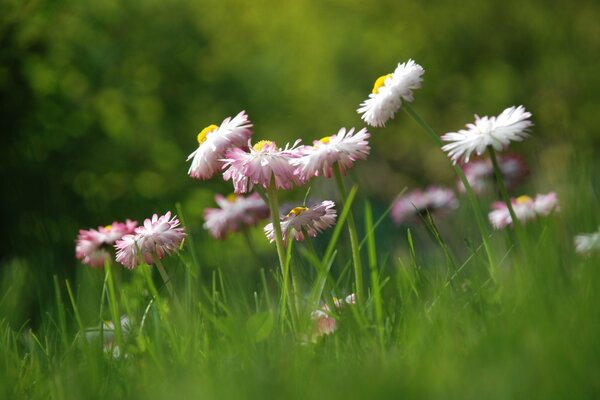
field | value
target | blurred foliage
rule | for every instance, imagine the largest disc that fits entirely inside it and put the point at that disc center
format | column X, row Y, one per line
column 100, row 101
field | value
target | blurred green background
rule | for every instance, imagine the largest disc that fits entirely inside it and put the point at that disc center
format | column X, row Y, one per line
column 101, row 101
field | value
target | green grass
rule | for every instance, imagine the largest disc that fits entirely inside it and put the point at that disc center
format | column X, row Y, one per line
column 435, row 325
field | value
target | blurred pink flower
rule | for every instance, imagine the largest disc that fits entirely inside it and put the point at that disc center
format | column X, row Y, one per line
column 264, row 163
column 525, row 209
column 312, row 220
column 389, row 91
column 157, row 237
column 434, row 199
column 234, row 213
column 480, row 173
column 324, row 322
column 214, row 140
column 510, row 126
column 343, row 148
column 92, row 246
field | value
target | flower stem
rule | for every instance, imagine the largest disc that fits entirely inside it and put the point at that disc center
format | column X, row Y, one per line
column 353, row 239
column 470, row 194
column 164, row 275
column 502, row 188
column 274, row 207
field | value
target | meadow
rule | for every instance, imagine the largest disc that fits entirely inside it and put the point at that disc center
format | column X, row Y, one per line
column 397, row 246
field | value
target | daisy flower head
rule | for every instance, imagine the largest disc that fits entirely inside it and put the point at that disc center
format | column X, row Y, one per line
column 157, row 237
column 93, row 246
column 480, row 173
column 435, row 200
column 343, row 148
column 311, row 220
column 234, row 213
column 587, row 243
column 389, row 91
column 214, row 140
column 262, row 164
column 525, row 208
column 511, row 125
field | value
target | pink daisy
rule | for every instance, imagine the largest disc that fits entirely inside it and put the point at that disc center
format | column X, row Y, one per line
column 323, row 322
column 234, row 212
column 214, row 141
column 480, row 173
column 92, row 246
column 313, row 220
column 525, row 209
column 264, row 163
column 434, row 200
column 157, row 237
column 344, row 148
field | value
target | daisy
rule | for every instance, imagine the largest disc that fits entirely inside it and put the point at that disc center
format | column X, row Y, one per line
column 343, row 148
column 480, row 173
column 157, row 237
column 311, row 220
column 525, row 209
column 498, row 132
column 92, row 246
column 214, row 140
column 262, row 164
column 587, row 243
column 107, row 332
column 234, row 212
column 433, row 200
column 389, row 91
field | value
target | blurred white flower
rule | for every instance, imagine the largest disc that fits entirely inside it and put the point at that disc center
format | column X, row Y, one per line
column 434, row 199
column 587, row 243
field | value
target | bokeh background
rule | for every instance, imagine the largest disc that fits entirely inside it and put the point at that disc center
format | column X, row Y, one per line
column 101, row 101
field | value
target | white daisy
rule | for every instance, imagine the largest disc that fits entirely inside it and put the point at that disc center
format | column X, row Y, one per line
column 510, row 126
column 234, row 212
column 214, row 140
column 389, row 91
column 525, row 209
column 587, row 243
column 312, row 220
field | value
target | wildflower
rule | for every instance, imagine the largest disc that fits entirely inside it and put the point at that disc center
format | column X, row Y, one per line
column 214, row 140
column 389, row 91
column 107, row 331
column 587, row 243
column 343, row 148
column 433, row 200
column 324, row 322
column 525, row 209
column 480, row 173
column 157, row 237
column 92, row 246
column 263, row 164
column 511, row 125
column 311, row 220
column 234, row 212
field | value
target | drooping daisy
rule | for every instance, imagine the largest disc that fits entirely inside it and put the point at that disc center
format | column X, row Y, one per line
column 587, row 243
column 313, row 220
column 93, row 246
column 343, row 148
column 525, row 209
column 511, row 125
column 262, row 164
column 234, row 213
column 157, row 237
column 214, row 141
column 433, row 200
column 480, row 173
column 389, row 91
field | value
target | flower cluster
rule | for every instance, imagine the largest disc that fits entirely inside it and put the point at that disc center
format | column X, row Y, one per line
column 301, row 220
column 234, row 213
column 93, row 246
column 157, row 237
column 525, row 209
column 433, row 200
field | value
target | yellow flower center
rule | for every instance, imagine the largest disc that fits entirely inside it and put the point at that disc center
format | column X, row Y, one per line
column 108, row 227
column 261, row 145
column 325, row 140
column 297, row 211
column 232, row 197
column 524, row 199
column 206, row 131
column 380, row 82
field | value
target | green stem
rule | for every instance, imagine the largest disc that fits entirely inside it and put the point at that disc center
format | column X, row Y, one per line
column 274, row 207
column 502, row 188
column 164, row 275
column 353, row 239
column 470, row 193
